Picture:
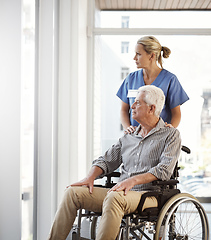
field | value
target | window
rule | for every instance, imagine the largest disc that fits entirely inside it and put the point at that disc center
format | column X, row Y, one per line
column 27, row 118
column 180, row 62
column 124, row 47
column 187, row 61
column 124, row 73
column 125, row 21
column 156, row 19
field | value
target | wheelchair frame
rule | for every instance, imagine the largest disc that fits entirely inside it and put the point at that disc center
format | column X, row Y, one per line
column 179, row 216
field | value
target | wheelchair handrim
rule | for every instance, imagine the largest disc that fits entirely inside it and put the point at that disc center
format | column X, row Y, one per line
column 175, row 201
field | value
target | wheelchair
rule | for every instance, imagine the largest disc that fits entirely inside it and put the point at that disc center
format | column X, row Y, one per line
column 178, row 216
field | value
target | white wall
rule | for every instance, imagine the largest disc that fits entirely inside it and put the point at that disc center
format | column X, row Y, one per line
column 75, row 149
column 46, row 131
column 72, row 117
column 10, row 77
column 62, row 137
column 64, row 108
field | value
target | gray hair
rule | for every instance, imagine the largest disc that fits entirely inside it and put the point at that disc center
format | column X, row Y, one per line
column 153, row 96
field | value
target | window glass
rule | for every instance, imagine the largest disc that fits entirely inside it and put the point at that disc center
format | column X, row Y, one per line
column 125, row 21
column 191, row 65
column 124, row 72
column 157, row 19
column 124, row 47
column 27, row 117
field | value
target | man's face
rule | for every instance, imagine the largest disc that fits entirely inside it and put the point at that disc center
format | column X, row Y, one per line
column 140, row 109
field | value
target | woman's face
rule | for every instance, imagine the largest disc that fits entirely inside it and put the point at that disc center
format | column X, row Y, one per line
column 142, row 58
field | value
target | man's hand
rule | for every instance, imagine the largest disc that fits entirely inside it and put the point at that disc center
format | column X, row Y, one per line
column 88, row 182
column 129, row 183
column 125, row 186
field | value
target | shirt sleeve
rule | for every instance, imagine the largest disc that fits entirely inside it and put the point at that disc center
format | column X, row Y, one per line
column 169, row 157
column 176, row 94
column 123, row 91
column 111, row 160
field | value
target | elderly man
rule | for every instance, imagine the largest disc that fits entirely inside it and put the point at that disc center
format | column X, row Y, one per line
column 150, row 153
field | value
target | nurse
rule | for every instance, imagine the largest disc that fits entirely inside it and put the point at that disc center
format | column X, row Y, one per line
column 148, row 59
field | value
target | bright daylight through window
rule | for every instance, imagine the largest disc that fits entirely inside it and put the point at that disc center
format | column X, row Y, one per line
column 27, row 117
column 189, row 61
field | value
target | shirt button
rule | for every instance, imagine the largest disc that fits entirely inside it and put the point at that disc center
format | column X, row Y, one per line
column 137, row 154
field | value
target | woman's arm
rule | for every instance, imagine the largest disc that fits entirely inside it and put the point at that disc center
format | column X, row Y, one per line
column 125, row 118
column 175, row 116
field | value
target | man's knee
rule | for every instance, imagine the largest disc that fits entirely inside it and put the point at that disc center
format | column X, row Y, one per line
column 70, row 192
column 72, row 195
column 82, row 198
column 114, row 200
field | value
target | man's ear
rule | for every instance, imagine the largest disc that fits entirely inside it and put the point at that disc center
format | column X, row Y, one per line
column 152, row 109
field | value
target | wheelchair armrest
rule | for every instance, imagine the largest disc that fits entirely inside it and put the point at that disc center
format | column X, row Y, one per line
column 113, row 174
column 161, row 196
column 143, row 198
column 170, row 182
column 110, row 183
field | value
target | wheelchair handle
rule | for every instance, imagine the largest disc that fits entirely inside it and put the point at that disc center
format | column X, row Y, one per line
column 186, row 149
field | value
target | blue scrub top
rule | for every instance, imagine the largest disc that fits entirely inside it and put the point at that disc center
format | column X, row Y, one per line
column 168, row 82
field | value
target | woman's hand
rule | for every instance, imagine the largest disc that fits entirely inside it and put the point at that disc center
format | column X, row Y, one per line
column 130, row 129
column 169, row 125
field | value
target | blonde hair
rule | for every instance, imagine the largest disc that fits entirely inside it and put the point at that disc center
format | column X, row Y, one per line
column 152, row 45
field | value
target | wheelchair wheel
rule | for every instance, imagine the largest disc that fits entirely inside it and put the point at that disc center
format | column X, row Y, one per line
column 182, row 217
column 122, row 234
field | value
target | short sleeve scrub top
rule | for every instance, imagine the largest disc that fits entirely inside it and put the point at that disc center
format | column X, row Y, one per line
column 168, row 82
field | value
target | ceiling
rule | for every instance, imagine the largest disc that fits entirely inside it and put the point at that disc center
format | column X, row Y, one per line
column 153, row 4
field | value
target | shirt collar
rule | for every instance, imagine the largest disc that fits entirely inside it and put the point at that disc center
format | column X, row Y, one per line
column 159, row 125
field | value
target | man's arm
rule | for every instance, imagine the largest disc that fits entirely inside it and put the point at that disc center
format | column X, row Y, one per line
column 89, row 179
column 169, row 157
column 129, row 183
column 111, row 160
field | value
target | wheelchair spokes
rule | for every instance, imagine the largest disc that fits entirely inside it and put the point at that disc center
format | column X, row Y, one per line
column 183, row 219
